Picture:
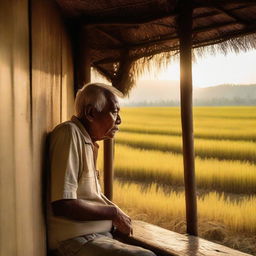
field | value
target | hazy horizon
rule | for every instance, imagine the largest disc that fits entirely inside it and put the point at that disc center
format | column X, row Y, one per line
column 208, row 71
column 153, row 91
column 212, row 70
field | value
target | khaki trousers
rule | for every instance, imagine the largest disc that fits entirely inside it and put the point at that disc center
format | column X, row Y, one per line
column 99, row 245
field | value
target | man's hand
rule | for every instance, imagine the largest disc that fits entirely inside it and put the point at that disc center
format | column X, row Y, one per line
column 122, row 222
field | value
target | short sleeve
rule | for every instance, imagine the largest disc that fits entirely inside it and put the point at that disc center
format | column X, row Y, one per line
column 64, row 163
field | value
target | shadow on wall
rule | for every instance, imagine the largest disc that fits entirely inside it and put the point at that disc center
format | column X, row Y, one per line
column 45, row 177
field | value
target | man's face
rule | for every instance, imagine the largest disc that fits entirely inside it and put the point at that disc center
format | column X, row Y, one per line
column 106, row 122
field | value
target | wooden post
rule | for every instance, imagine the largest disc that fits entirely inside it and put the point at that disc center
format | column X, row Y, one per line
column 83, row 76
column 185, row 30
column 86, row 75
column 108, row 168
column 82, row 59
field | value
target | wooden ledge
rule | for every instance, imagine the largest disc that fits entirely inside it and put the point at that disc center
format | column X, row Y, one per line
column 168, row 243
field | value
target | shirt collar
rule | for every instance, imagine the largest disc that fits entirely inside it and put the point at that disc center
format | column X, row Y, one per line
column 88, row 139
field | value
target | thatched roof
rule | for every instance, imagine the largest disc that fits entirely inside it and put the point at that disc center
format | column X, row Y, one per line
column 120, row 32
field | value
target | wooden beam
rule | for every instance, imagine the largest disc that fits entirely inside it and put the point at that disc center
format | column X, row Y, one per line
column 212, row 3
column 168, row 37
column 86, row 78
column 232, row 35
column 216, row 11
column 124, row 21
column 95, row 20
column 106, row 61
column 82, row 59
column 161, row 39
column 206, row 14
column 102, row 71
column 185, row 34
column 219, row 39
column 134, row 58
column 233, row 16
column 108, row 168
column 109, row 35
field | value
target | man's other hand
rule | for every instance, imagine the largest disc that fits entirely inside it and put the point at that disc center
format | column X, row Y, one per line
column 122, row 222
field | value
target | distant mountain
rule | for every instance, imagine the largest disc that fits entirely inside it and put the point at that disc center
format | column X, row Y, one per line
column 226, row 94
column 226, row 91
column 164, row 93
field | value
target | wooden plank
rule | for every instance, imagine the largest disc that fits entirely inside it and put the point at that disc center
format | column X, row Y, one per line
column 8, row 239
column 67, row 81
column 108, row 168
column 168, row 243
column 15, row 151
column 82, row 59
column 21, row 216
column 185, row 30
column 41, row 110
column 52, row 97
column 23, row 132
column 47, row 49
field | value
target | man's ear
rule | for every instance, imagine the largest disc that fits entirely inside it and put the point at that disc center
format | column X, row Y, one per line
column 90, row 112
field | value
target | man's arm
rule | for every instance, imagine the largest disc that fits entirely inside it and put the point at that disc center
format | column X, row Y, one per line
column 111, row 203
column 80, row 210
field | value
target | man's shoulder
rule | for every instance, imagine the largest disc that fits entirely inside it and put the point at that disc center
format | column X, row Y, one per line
column 69, row 129
column 65, row 127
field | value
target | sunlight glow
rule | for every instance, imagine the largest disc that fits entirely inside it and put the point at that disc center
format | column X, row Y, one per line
column 214, row 70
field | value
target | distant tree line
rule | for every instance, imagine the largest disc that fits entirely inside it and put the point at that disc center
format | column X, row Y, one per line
column 236, row 101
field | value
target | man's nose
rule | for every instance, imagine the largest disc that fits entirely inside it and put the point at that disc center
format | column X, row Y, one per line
column 118, row 120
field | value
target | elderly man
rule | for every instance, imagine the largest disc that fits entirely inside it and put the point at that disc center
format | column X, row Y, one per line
column 81, row 217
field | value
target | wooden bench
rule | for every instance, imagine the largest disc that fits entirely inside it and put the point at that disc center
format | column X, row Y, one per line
column 168, row 243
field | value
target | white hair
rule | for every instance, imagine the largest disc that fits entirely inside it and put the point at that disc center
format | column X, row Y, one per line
column 93, row 94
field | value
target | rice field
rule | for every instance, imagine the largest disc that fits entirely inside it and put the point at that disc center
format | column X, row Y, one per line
column 205, row 148
column 149, row 170
column 238, row 215
column 208, row 132
column 229, row 123
column 167, row 169
column 220, row 218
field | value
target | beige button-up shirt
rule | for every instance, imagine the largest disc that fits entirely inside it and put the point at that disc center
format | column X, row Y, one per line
column 73, row 176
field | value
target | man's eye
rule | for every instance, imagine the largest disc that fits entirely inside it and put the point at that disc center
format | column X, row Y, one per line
column 115, row 113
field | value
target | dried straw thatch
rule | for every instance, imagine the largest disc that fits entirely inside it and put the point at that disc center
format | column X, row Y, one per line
column 126, row 36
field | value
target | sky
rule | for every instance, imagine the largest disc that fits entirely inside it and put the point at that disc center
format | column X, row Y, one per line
column 215, row 70
column 211, row 70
